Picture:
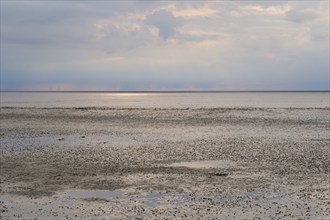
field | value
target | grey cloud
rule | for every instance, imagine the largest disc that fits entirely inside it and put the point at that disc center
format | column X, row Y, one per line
column 69, row 24
column 264, row 3
column 300, row 16
column 69, row 33
column 118, row 40
column 18, row 13
column 165, row 21
column 45, row 42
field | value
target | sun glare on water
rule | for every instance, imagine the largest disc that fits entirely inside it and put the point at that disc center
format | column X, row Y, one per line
column 129, row 94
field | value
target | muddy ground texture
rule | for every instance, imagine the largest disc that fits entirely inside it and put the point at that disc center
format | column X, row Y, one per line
column 118, row 163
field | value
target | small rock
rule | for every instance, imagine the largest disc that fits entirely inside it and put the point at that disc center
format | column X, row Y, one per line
column 219, row 174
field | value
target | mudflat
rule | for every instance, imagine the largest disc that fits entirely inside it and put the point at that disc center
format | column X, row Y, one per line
column 158, row 163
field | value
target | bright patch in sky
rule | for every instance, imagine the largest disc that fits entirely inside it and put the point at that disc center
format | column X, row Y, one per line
column 163, row 45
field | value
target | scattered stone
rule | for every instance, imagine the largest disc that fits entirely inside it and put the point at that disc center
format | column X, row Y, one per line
column 219, row 174
column 33, row 158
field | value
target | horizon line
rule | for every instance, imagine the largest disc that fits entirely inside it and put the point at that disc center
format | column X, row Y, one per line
column 156, row 91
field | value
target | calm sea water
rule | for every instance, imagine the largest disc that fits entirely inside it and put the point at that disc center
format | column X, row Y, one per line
column 175, row 100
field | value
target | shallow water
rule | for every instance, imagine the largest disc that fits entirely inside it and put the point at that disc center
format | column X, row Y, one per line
column 146, row 199
column 168, row 100
column 103, row 204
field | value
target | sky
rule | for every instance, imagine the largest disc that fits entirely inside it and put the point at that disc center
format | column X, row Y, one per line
column 164, row 45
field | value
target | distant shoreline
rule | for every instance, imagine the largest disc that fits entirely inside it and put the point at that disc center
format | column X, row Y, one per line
column 177, row 91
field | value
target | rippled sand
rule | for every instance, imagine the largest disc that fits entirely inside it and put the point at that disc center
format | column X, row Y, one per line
column 159, row 163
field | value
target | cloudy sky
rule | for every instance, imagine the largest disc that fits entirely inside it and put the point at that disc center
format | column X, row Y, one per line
column 164, row 45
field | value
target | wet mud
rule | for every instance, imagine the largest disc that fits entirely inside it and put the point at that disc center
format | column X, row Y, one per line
column 165, row 163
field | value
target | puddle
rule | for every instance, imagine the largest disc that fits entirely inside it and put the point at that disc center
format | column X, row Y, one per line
column 139, row 204
column 205, row 164
column 248, row 176
column 147, row 199
column 99, row 194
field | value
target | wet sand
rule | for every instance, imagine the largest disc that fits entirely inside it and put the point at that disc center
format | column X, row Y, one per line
column 158, row 163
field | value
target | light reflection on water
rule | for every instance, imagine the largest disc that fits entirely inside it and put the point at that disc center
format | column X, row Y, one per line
column 128, row 94
column 167, row 100
column 101, row 194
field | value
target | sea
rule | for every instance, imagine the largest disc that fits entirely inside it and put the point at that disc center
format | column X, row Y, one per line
column 166, row 99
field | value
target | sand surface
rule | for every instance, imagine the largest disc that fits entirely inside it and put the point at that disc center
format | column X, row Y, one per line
column 122, row 163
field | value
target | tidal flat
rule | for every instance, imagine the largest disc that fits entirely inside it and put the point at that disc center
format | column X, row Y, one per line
column 165, row 163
